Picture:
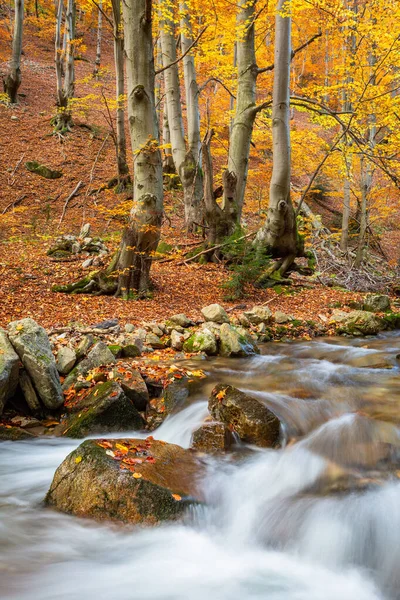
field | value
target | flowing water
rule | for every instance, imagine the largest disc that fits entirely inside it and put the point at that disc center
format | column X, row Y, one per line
column 317, row 520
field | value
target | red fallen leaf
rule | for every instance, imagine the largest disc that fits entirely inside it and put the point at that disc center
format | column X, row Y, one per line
column 113, row 394
column 150, row 459
column 105, row 444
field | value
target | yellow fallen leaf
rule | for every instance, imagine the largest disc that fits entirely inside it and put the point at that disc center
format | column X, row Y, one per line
column 19, row 327
column 221, row 395
column 137, row 475
column 176, row 497
column 78, row 459
column 121, row 447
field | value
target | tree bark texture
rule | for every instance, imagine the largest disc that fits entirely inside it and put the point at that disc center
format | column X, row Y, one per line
column 13, row 79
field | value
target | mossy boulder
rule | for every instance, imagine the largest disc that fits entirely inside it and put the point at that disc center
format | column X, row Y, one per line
column 212, row 437
column 116, row 350
column 361, row 322
column 34, row 167
column 202, row 340
column 127, row 481
column 376, row 303
column 99, row 356
column 235, row 342
column 32, row 345
column 253, row 422
column 14, row 434
column 105, row 409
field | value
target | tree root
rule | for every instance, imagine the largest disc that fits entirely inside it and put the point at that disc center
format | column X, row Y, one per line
column 96, row 283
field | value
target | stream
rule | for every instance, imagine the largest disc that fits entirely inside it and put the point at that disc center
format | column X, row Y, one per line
column 318, row 519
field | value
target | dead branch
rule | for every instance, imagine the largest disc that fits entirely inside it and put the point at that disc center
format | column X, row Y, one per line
column 74, row 193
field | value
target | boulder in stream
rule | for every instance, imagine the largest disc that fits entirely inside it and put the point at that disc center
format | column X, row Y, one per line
column 212, row 437
column 248, row 417
column 202, row 340
column 32, row 345
column 235, row 342
column 361, row 322
column 127, row 481
column 376, row 303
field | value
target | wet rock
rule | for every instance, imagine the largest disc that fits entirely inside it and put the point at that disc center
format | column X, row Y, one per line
column 376, row 303
column 153, row 482
column 201, row 341
column 29, row 392
column 234, row 343
column 361, row 322
column 215, row 313
column 66, row 359
column 100, row 355
column 259, row 314
column 9, row 370
column 253, row 422
column 33, row 347
column 181, row 320
column 13, row 434
column 177, row 340
column 212, row 437
column 105, row 409
column 175, row 393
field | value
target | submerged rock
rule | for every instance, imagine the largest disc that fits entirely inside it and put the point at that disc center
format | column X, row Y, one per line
column 253, row 422
column 215, row 313
column 9, row 370
column 33, row 347
column 13, row 434
column 106, row 409
column 126, row 480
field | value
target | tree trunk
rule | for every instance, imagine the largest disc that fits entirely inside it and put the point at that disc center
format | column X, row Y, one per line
column 97, row 62
column 168, row 162
column 122, row 165
column 140, row 238
column 242, row 126
column 278, row 236
column 365, row 189
column 13, row 79
column 218, row 219
column 65, row 90
column 185, row 162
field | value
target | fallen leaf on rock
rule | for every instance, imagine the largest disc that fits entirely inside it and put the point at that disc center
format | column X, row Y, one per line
column 137, row 475
column 78, row 459
column 176, row 497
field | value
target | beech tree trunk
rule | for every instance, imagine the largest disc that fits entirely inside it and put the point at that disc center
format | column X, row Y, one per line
column 122, row 165
column 141, row 237
column 235, row 177
column 13, row 80
column 97, row 61
column 185, row 162
column 66, row 88
column 278, row 236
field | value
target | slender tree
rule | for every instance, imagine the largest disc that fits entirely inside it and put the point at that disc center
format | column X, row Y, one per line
column 278, row 236
column 13, row 79
column 65, row 72
column 97, row 61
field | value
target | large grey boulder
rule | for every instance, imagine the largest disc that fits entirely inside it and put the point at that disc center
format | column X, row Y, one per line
column 100, row 355
column 202, row 340
column 376, row 303
column 32, row 345
column 9, row 370
column 235, row 342
column 248, row 417
column 127, row 481
column 215, row 313
column 259, row 314
column 361, row 322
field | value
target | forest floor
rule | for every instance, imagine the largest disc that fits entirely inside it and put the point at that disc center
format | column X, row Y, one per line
column 28, row 229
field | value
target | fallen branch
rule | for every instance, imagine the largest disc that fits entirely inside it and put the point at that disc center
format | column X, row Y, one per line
column 67, row 201
column 14, row 203
column 243, row 237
